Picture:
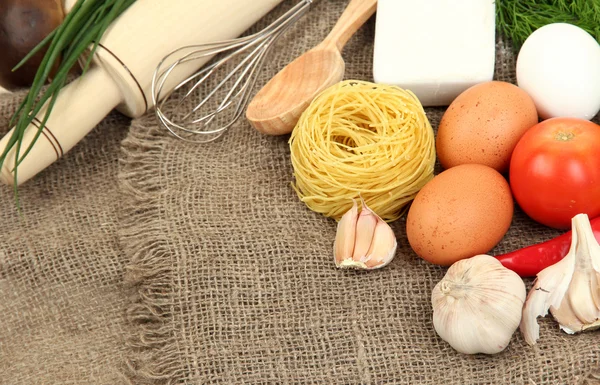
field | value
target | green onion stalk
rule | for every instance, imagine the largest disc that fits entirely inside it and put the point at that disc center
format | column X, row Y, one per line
column 78, row 34
column 517, row 19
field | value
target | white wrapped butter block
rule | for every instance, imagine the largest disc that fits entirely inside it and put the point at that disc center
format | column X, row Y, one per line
column 435, row 48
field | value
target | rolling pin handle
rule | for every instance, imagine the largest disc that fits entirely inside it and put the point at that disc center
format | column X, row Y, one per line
column 80, row 106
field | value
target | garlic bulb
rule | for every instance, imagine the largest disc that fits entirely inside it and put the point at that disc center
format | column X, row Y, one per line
column 477, row 306
column 570, row 288
column 363, row 241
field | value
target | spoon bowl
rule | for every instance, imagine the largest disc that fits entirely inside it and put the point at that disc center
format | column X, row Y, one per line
column 285, row 97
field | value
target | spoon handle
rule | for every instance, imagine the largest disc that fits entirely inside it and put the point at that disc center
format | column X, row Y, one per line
column 356, row 14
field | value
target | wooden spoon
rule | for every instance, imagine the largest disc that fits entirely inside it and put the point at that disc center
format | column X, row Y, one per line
column 276, row 108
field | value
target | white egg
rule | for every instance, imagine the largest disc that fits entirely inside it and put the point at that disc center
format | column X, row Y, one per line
column 559, row 67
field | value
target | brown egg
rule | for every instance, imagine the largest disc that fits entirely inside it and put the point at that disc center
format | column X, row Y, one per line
column 484, row 124
column 462, row 212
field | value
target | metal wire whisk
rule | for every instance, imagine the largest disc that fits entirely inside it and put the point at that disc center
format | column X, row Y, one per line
column 223, row 113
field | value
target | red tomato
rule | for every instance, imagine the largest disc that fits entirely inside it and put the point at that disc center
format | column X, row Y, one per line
column 555, row 171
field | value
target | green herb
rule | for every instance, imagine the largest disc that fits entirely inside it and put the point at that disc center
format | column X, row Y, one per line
column 517, row 19
column 83, row 27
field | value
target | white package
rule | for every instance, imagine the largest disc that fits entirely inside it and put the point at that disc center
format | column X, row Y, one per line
column 435, row 48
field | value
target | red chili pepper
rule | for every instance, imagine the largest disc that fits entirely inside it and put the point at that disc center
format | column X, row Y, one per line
column 529, row 261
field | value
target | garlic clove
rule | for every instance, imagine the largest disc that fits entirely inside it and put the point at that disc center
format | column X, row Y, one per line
column 365, row 229
column 569, row 288
column 568, row 321
column 383, row 247
column 583, row 302
column 580, row 290
column 363, row 240
column 596, row 289
column 345, row 236
column 580, row 297
column 566, row 318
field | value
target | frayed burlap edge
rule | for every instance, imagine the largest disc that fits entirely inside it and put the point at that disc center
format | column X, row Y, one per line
column 148, row 274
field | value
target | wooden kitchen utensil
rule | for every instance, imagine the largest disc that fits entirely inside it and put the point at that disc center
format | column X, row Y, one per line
column 123, row 68
column 276, row 108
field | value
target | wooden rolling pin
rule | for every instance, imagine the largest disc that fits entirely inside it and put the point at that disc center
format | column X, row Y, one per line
column 123, row 68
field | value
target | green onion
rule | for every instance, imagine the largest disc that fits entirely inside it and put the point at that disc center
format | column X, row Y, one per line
column 79, row 33
column 517, row 19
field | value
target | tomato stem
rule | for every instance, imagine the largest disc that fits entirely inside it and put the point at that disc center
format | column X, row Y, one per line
column 564, row 136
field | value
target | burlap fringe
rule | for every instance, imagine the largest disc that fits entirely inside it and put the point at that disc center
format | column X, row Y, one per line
column 148, row 275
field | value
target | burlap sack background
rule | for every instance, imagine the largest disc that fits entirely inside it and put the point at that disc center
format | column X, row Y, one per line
column 231, row 276
column 235, row 281
column 62, row 302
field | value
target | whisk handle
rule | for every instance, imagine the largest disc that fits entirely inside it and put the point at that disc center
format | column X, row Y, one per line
column 356, row 14
column 80, row 106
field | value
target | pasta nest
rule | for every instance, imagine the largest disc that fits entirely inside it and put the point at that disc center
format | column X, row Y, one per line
column 362, row 140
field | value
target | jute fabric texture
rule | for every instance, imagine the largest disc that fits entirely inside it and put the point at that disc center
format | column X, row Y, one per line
column 234, row 276
column 62, row 298
column 141, row 259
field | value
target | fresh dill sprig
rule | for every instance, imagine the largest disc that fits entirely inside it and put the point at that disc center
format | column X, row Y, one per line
column 517, row 19
column 82, row 28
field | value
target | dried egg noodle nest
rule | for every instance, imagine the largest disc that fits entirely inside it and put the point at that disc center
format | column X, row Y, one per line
column 362, row 139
